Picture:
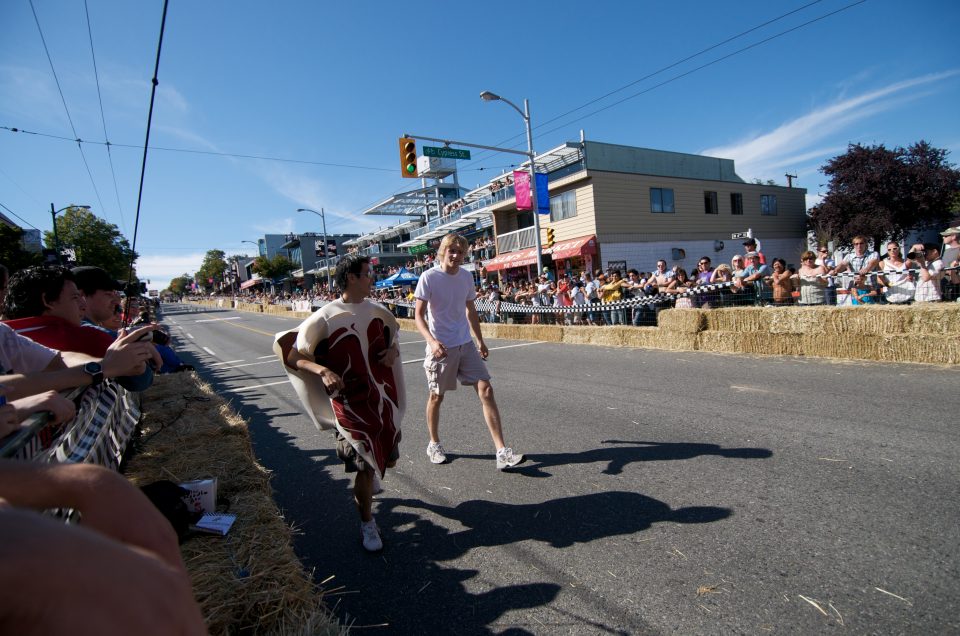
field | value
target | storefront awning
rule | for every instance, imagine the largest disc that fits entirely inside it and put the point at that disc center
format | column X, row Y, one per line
column 250, row 283
column 575, row 247
column 512, row 259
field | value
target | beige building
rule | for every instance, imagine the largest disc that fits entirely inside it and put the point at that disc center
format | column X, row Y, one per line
column 624, row 207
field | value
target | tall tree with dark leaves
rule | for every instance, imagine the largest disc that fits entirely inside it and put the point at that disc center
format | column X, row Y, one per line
column 883, row 193
column 95, row 241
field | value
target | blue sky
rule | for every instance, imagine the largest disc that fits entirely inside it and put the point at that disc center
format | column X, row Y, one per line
column 330, row 86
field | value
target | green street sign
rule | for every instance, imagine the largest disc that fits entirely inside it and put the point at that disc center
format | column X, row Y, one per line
column 445, row 153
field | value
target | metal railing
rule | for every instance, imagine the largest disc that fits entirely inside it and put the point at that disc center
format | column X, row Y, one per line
column 517, row 240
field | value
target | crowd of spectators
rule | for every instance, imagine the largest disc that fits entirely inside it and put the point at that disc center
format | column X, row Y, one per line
column 860, row 277
column 119, row 569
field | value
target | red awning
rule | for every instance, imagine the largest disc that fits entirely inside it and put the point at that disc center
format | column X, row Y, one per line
column 512, row 259
column 575, row 247
column 250, row 283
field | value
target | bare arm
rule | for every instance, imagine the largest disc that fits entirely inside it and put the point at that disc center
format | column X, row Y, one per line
column 437, row 350
column 474, row 321
column 107, row 502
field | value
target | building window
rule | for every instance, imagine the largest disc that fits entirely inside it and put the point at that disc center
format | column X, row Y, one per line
column 563, row 206
column 768, row 204
column 661, row 200
column 710, row 202
column 736, row 203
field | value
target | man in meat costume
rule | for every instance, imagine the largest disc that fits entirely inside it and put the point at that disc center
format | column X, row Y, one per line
column 343, row 361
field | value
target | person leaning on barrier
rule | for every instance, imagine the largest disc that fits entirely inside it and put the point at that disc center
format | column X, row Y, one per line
column 811, row 279
column 28, row 368
column 119, row 571
column 950, row 255
column 44, row 304
column 781, row 281
column 900, row 285
column 926, row 258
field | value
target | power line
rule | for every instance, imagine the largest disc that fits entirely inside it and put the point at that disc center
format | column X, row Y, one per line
column 711, row 63
column 103, row 119
column 64, row 101
column 18, row 216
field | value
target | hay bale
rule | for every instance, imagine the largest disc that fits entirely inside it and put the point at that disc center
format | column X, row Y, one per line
column 251, row 580
column 736, row 319
column 682, row 320
column 866, row 320
column 920, row 348
column 794, row 320
column 934, row 319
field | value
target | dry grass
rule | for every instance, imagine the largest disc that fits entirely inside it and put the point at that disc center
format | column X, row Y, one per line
column 249, row 581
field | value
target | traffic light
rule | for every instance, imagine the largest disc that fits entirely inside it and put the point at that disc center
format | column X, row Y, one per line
column 408, row 158
column 550, row 238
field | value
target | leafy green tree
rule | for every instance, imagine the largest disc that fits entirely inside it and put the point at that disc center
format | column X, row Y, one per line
column 181, row 284
column 95, row 241
column 883, row 193
column 211, row 269
column 273, row 268
column 12, row 253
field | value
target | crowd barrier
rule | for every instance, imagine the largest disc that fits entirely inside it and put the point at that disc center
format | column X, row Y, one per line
column 107, row 416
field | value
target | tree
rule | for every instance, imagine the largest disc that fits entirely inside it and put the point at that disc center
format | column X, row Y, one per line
column 181, row 284
column 273, row 268
column 12, row 253
column 211, row 269
column 883, row 194
column 95, row 241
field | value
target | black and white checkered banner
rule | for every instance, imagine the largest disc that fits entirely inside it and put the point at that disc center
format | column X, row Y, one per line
column 486, row 306
column 874, row 273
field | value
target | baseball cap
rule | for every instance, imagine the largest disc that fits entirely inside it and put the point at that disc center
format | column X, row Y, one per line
column 750, row 241
column 752, row 254
column 950, row 230
column 89, row 279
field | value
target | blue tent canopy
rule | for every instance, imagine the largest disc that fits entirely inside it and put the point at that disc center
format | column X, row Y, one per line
column 402, row 277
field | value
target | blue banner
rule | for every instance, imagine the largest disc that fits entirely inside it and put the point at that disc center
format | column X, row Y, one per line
column 543, row 194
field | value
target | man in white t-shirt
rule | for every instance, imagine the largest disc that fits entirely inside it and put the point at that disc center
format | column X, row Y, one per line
column 448, row 292
column 860, row 261
column 950, row 255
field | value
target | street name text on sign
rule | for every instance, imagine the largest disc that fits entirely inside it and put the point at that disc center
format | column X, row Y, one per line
column 445, row 153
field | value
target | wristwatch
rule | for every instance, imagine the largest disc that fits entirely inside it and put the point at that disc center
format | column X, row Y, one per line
column 95, row 371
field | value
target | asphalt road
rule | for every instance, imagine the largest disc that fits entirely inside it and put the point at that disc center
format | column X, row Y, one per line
column 664, row 492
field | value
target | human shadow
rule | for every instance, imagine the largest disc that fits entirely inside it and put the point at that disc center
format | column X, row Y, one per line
column 621, row 453
column 560, row 523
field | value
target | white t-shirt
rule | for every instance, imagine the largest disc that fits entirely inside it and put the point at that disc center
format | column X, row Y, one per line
column 446, row 296
column 19, row 354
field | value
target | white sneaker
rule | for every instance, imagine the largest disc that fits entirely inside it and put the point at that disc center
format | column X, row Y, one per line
column 370, row 536
column 435, row 453
column 377, row 484
column 506, row 458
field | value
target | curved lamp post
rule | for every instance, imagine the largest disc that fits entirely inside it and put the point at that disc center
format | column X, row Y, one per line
column 326, row 255
column 53, row 215
column 487, row 96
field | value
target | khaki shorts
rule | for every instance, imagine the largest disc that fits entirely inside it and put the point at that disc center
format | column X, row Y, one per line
column 461, row 363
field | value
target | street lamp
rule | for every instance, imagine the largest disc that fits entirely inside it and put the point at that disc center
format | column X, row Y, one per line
column 487, row 96
column 326, row 254
column 53, row 215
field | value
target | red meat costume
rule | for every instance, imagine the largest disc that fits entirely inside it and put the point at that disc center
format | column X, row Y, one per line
column 348, row 338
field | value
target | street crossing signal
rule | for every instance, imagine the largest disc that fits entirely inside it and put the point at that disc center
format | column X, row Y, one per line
column 408, row 158
column 550, row 238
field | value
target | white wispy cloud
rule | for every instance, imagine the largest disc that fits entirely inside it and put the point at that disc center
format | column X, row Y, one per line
column 160, row 269
column 793, row 142
column 275, row 226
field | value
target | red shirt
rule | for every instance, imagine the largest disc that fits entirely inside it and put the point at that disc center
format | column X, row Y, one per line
column 62, row 335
